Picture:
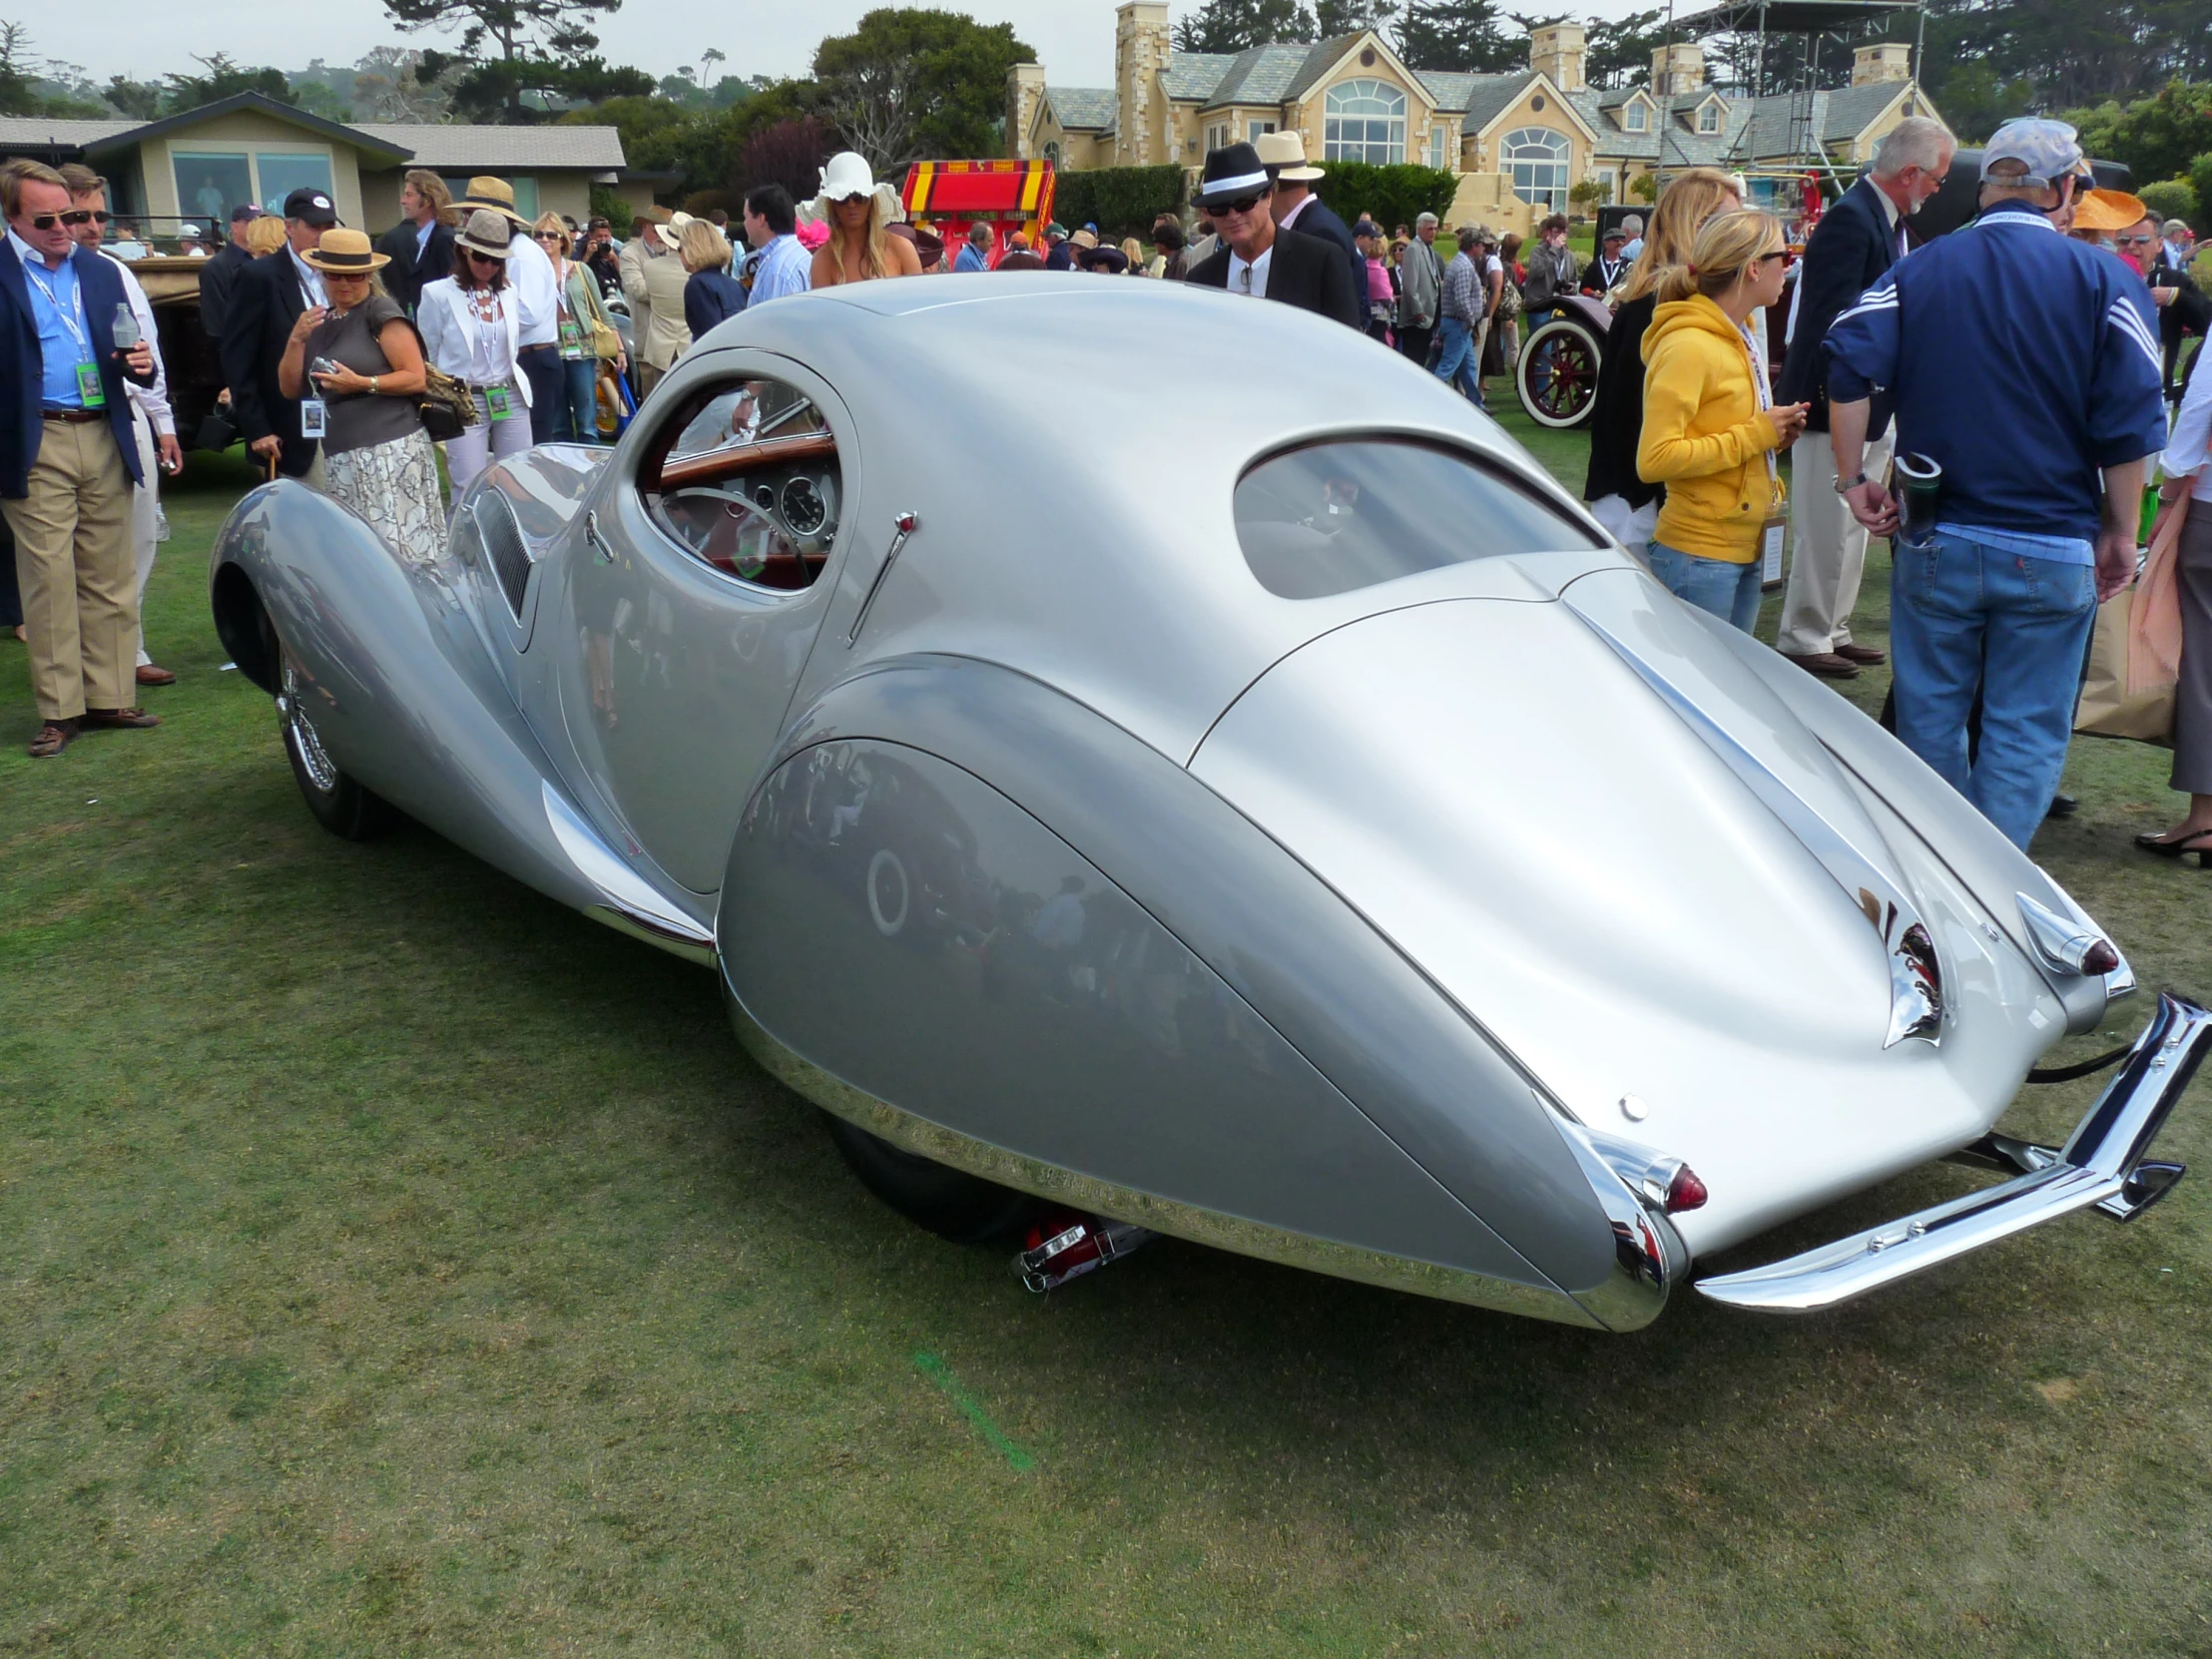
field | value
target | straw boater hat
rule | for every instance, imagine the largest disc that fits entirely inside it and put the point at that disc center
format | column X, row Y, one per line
column 2108, row 209
column 485, row 233
column 496, row 194
column 1284, row 156
column 848, row 176
column 344, row 253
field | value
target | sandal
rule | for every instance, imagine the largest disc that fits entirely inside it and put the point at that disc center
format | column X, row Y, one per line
column 125, row 719
column 54, row 737
column 2179, row 847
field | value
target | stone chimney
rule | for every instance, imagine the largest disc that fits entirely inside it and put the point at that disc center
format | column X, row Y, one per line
column 1676, row 70
column 1871, row 65
column 1024, row 92
column 1556, row 50
column 1141, row 48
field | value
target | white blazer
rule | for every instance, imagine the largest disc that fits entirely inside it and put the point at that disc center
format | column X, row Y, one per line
column 450, row 333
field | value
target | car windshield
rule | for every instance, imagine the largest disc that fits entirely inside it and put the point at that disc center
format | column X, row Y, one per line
column 1332, row 517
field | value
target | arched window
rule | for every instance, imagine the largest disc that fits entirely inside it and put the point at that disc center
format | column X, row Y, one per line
column 1537, row 159
column 1052, row 154
column 1364, row 121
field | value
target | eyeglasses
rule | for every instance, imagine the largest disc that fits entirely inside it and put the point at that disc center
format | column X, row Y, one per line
column 475, row 258
column 1778, row 253
column 551, row 235
column 2137, row 242
column 1243, row 204
column 76, row 215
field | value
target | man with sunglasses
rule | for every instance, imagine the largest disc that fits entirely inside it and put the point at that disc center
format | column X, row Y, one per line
column 68, row 460
column 153, row 423
column 1257, row 257
column 271, row 296
column 2183, row 308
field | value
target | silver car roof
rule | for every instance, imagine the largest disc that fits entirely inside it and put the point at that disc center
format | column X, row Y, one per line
column 1072, row 443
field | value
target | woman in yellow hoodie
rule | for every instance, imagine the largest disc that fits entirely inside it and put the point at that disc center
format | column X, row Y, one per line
column 1710, row 431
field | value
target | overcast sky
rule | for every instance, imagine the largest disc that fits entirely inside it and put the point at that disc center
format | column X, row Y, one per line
column 147, row 39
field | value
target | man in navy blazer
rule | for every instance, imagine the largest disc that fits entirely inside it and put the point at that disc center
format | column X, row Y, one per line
column 1856, row 242
column 68, row 461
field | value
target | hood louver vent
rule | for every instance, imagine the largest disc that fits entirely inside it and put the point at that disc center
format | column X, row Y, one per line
column 504, row 547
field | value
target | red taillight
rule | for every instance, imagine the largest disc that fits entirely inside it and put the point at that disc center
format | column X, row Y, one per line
column 1685, row 1191
column 2099, row 960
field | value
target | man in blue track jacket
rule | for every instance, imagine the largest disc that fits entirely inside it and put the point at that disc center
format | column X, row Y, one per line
column 2026, row 365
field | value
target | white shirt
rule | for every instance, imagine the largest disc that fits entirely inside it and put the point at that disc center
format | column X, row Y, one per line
column 151, row 401
column 310, row 279
column 1290, row 219
column 537, row 296
column 1250, row 279
column 2192, row 435
column 464, row 346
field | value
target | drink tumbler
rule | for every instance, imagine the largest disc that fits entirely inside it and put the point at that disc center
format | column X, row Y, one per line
column 1918, row 482
column 126, row 327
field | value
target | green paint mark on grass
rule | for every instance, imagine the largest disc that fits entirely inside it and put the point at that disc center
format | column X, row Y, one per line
column 939, row 1372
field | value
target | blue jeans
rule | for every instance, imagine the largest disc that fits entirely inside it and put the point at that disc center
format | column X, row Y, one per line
column 1962, row 614
column 1729, row 591
column 576, row 418
column 1457, row 363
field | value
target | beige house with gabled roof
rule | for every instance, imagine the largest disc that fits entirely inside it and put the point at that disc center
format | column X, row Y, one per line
column 1519, row 140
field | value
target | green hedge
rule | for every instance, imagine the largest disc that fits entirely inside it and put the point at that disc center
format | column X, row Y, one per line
column 1120, row 200
column 2171, row 198
column 1391, row 196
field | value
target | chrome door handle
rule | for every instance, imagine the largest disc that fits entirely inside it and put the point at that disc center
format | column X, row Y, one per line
column 905, row 524
column 599, row 548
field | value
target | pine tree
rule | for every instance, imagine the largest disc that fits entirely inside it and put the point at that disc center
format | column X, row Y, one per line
column 1457, row 35
column 1233, row 25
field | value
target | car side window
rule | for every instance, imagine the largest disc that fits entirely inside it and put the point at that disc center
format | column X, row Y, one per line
column 746, row 478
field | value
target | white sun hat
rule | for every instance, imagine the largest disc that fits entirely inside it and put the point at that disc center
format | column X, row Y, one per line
column 848, row 174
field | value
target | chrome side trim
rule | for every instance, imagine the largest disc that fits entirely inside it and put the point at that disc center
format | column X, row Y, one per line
column 1648, row 1253
column 1081, row 1192
column 2101, row 1164
column 904, row 525
column 1915, row 977
column 632, row 906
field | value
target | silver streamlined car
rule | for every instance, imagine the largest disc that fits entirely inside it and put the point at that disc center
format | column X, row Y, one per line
column 1161, row 755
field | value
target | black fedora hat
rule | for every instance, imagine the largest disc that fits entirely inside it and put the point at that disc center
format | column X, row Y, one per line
column 1232, row 173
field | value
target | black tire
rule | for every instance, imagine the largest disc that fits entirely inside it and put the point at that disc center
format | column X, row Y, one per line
column 340, row 803
column 957, row 1207
column 1570, row 390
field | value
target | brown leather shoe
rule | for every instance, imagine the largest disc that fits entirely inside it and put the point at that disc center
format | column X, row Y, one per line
column 155, row 675
column 54, row 737
column 125, row 719
column 1850, row 653
column 1825, row 664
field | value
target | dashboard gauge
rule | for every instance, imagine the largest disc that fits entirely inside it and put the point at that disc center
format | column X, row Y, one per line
column 804, row 512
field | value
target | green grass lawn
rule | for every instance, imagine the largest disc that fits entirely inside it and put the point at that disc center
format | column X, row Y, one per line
column 392, row 1262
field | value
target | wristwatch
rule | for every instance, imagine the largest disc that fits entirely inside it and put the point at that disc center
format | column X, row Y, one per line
column 1843, row 486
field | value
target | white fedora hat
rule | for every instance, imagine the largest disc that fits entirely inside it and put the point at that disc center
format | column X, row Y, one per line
column 848, row 176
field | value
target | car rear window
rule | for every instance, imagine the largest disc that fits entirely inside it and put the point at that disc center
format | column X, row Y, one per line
column 1332, row 517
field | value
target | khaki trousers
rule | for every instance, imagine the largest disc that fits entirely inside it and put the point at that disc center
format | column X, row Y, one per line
column 1828, row 552
column 146, row 522
column 73, row 563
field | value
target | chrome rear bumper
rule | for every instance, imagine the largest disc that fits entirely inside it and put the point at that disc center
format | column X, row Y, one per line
column 2101, row 1164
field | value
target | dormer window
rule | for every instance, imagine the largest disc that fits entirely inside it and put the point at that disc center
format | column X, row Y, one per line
column 1636, row 118
column 1709, row 116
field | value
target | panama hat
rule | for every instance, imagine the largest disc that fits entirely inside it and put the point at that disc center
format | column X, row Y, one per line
column 485, row 233
column 344, row 252
column 672, row 233
column 848, row 176
column 1284, row 156
column 2108, row 209
column 496, row 194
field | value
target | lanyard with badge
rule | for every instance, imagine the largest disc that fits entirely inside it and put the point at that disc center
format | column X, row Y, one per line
column 1771, row 533
column 498, row 402
column 89, row 389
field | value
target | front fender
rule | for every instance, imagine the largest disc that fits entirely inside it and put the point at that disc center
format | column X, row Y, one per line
column 1043, row 787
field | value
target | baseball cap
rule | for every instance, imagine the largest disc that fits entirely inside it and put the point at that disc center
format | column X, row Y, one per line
column 2049, row 150
column 310, row 207
column 244, row 213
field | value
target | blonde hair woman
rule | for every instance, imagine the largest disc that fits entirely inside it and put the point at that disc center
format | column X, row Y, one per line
column 1710, row 424
column 857, row 209
column 712, row 296
column 1621, row 500
column 578, row 320
column 263, row 236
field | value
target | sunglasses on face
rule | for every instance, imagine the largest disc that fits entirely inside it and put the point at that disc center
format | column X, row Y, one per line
column 1778, row 253
column 1243, row 204
column 2137, row 242
column 475, row 258
column 76, row 215
column 551, row 235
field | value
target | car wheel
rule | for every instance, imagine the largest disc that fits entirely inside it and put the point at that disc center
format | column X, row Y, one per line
column 956, row 1206
column 1563, row 396
column 340, row 803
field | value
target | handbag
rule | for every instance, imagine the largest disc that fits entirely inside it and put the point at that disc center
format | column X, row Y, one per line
column 218, row 431
column 448, row 409
column 2135, row 652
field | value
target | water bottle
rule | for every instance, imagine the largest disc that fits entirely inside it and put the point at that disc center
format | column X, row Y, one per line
column 127, row 334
